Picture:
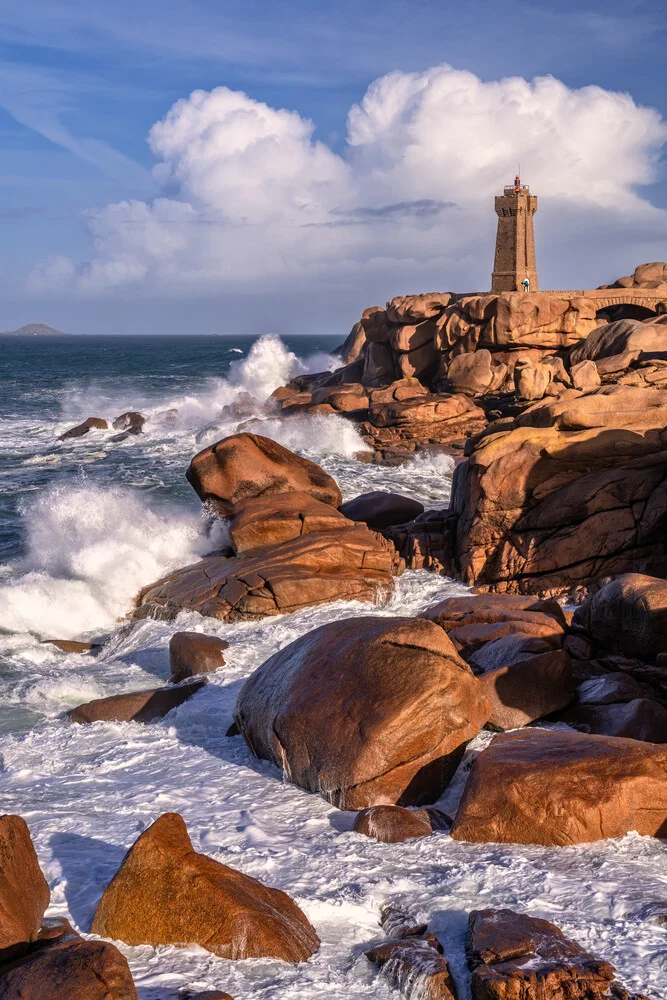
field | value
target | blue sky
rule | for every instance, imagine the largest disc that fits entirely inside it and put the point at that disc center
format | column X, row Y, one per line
column 397, row 201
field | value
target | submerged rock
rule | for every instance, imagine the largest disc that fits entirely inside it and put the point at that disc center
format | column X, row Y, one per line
column 91, row 423
column 24, row 892
column 137, row 706
column 415, row 966
column 167, row 893
column 560, row 788
column 365, row 711
column 394, row 824
column 247, row 465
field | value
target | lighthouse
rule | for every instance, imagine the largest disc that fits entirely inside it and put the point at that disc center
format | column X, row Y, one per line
column 515, row 240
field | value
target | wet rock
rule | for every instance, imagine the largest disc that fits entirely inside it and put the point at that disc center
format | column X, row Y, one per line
column 91, row 423
column 191, row 653
column 247, row 465
column 516, row 957
column 639, row 719
column 427, row 542
column 415, row 966
column 380, row 510
column 323, row 566
column 166, row 893
column 365, row 711
column 270, row 520
column 72, row 645
column 628, row 615
column 559, row 788
column 528, row 688
column 138, row 706
column 131, row 421
column 24, row 892
column 394, row 824
column 69, row 968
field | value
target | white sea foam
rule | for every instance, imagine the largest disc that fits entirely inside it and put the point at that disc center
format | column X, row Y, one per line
column 89, row 550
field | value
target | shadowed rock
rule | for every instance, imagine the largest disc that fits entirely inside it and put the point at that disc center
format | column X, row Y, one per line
column 91, row 423
column 365, row 711
column 166, row 893
column 628, row 615
column 191, row 653
column 394, row 824
column 380, row 510
column 561, row 788
column 24, row 892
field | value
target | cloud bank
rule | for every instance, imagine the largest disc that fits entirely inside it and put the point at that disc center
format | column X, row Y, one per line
column 250, row 198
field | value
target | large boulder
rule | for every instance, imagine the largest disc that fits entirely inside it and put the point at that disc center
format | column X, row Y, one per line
column 627, row 615
column 354, row 564
column 475, row 373
column 89, row 424
column 394, row 824
column 137, row 706
column 381, row 510
column 650, row 275
column 528, row 687
column 627, row 338
column 24, row 892
column 269, row 520
column 365, row 711
column 571, row 490
column 558, row 788
column 639, row 719
column 513, row 956
column 411, row 309
column 191, row 653
column 166, row 893
column 249, row 465
column 69, row 968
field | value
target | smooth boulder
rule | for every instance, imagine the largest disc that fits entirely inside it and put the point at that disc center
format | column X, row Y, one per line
column 628, row 615
column 248, row 465
column 89, row 424
column 365, row 711
column 24, row 892
column 381, row 510
column 526, row 686
column 323, row 566
column 191, row 654
column 137, row 706
column 558, row 788
column 394, row 824
column 166, row 893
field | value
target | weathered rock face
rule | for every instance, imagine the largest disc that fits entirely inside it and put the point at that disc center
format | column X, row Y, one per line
column 365, row 711
column 394, row 824
column 166, row 893
column 191, row 653
column 355, row 564
column 415, row 966
column 476, row 619
column 628, row 615
column 475, row 374
column 269, row 520
column 24, row 892
column 528, row 688
column 625, row 339
column 571, row 490
column 247, row 465
column 138, row 706
column 69, row 968
column 557, row 788
column 652, row 275
column 427, row 542
column 516, row 957
column 381, row 510
column 91, row 423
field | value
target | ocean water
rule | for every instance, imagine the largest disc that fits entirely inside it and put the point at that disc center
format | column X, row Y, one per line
column 83, row 525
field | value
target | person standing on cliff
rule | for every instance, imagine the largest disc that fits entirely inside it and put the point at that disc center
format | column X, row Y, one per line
column 526, row 284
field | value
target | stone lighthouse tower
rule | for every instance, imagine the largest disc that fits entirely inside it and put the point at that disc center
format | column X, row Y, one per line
column 515, row 241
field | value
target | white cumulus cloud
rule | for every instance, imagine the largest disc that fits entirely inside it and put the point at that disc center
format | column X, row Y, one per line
column 249, row 197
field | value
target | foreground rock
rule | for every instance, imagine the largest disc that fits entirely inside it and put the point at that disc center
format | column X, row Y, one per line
column 247, row 465
column 24, row 892
column 138, row 706
column 166, row 893
column 561, row 788
column 570, row 491
column 270, row 520
column 415, row 966
column 91, row 423
column 394, row 824
column 354, row 564
column 65, row 967
column 191, row 654
column 516, row 957
column 365, row 711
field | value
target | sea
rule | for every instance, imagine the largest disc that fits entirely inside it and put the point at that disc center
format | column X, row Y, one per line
column 84, row 524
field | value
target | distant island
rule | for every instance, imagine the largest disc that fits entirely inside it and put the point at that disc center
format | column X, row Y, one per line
column 34, row 330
